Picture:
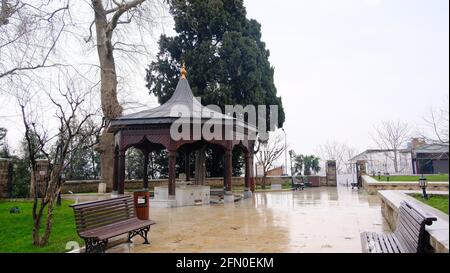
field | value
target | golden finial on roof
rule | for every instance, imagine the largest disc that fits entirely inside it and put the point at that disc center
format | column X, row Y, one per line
column 183, row 71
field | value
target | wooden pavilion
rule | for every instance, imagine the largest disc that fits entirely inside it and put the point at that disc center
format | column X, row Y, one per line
column 150, row 130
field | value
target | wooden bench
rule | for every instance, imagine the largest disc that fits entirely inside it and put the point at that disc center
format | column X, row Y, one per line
column 98, row 221
column 409, row 236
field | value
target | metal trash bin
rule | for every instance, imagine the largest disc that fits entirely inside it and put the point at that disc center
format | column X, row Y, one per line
column 142, row 204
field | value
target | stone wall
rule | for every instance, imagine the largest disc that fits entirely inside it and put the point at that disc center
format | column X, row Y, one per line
column 372, row 186
column 85, row 186
column 4, row 178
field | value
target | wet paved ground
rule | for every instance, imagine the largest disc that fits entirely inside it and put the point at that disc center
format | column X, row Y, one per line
column 314, row 220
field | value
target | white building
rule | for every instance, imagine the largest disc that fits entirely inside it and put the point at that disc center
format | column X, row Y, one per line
column 383, row 161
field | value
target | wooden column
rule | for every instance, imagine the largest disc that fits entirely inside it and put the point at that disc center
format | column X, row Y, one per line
column 172, row 179
column 121, row 172
column 248, row 166
column 145, row 168
column 252, row 172
column 116, row 172
column 228, row 170
column 187, row 166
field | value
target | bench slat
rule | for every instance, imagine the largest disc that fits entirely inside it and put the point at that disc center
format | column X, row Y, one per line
column 97, row 216
column 377, row 243
column 99, row 203
column 92, row 210
column 117, row 228
column 109, row 232
column 104, row 222
column 103, row 210
column 412, row 221
column 407, row 240
column 395, row 243
column 364, row 241
column 388, row 243
column 380, row 239
column 403, row 228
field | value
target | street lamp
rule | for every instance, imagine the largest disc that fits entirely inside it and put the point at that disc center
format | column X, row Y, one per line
column 285, row 151
column 291, row 155
column 423, row 183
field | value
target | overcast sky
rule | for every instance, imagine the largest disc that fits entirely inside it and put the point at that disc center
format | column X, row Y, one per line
column 342, row 66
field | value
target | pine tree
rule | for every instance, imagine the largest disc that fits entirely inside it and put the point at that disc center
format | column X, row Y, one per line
column 227, row 62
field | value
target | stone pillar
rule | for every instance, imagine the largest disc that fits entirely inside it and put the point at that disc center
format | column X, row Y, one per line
column 4, row 177
column 121, row 172
column 361, row 167
column 331, row 173
column 360, row 171
column 172, row 179
column 38, row 181
column 248, row 174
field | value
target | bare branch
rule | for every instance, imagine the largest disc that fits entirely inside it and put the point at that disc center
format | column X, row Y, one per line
column 391, row 136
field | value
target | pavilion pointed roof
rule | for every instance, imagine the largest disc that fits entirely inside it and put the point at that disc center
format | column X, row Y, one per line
column 181, row 104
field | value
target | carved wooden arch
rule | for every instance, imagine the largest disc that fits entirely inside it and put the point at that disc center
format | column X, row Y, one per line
column 179, row 144
column 146, row 145
column 241, row 145
column 224, row 144
column 128, row 141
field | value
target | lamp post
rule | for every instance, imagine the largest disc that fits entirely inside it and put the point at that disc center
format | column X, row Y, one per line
column 285, row 151
column 423, row 183
column 291, row 154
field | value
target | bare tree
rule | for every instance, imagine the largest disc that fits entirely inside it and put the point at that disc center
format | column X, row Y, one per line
column 73, row 123
column 392, row 135
column 438, row 123
column 269, row 153
column 340, row 152
column 29, row 33
column 108, row 15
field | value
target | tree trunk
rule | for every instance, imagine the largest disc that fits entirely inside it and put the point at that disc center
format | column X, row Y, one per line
column 37, row 226
column 395, row 161
column 48, row 223
column 108, row 90
column 47, row 201
column 264, row 181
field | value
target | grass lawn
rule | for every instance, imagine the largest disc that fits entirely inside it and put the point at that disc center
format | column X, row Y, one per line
column 439, row 202
column 415, row 178
column 16, row 229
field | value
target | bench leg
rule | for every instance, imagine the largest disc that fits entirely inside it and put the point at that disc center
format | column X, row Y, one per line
column 143, row 232
column 95, row 246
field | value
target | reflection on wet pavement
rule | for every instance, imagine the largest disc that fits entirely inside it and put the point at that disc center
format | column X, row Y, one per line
column 314, row 220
